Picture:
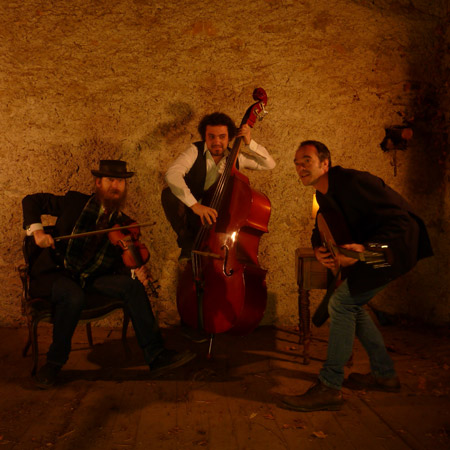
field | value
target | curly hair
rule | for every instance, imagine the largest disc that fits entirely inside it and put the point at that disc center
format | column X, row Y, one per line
column 215, row 119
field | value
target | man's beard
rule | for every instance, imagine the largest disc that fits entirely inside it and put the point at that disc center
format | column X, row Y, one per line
column 217, row 150
column 111, row 204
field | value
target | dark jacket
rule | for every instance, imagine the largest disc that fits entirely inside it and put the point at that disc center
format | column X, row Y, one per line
column 373, row 212
column 67, row 209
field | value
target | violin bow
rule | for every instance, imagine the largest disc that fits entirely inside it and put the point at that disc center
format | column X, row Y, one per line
column 106, row 230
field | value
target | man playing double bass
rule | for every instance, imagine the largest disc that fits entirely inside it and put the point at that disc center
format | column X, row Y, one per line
column 197, row 169
column 66, row 270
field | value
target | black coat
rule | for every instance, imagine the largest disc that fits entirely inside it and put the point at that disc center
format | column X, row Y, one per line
column 67, row 209
column 373, row 212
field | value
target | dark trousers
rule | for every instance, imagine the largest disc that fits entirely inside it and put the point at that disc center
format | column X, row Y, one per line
column 183, row 221
column 69, row 299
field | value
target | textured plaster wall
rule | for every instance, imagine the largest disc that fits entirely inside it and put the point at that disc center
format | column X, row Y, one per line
column 82, row 80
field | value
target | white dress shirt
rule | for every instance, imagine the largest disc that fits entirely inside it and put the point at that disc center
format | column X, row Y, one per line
column 258, row 158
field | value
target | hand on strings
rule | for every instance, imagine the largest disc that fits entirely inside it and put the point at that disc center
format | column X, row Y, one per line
column 346, row 261
column 326, row 258
column 245, row 131
column 43, row 239
column 207, row 214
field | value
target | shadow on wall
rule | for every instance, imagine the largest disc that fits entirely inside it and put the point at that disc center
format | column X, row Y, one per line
column 168, row 131
column 424, row 162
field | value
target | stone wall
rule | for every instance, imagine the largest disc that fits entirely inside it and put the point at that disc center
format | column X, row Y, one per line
column 81, row 81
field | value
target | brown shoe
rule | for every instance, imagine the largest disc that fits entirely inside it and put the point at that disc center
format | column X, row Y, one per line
column 317, row 398
column 369, row 381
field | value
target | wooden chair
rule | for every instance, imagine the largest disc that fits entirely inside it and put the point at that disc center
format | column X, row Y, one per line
column 310, row 275
column 40, row 309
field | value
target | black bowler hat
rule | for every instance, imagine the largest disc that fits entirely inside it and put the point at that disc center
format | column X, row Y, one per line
column 112, row 168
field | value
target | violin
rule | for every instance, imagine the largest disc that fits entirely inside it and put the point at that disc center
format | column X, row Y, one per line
column 134, row 253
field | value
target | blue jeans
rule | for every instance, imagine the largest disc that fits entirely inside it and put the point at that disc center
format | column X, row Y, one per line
column 70, row 299
column 347, row 319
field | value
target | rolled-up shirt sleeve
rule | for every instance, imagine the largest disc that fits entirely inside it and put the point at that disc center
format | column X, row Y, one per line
column 34, row 227
column 256, row 158
column 35, row 205
column 176, row 172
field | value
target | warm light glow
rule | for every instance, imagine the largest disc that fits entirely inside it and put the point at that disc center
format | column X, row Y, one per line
column 315, row 207
column 233, row 236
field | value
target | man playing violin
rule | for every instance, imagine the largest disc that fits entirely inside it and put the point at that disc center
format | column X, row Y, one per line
column 373, row 213
column 196, row 169
column 66, row 270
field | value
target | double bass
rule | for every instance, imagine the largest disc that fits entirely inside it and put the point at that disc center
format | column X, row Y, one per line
column 223, row 288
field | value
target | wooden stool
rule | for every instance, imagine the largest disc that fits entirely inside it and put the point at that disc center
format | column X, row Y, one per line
column 310, row 275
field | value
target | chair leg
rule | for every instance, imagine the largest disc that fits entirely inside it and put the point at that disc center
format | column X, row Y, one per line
column 304, row 323
column 89, row 334
column 28, row 344
column 126, row 321
column 34, row 346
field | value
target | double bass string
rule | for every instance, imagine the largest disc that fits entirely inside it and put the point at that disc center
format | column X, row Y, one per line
column 224, row 178
column 250, row 116
column 206, row 288
column 215, row 203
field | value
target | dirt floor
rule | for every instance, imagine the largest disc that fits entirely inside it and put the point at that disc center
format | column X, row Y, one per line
column 105, row 399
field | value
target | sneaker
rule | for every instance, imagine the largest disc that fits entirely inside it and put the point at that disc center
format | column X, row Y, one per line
column 168, row 360
column 371, row 382
column 47, row 374
column 317, row 398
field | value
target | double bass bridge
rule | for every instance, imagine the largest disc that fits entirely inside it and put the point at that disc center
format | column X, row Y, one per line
column 226, row 272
